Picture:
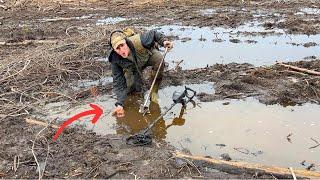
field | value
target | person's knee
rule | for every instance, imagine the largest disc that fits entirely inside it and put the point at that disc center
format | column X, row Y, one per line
column 156, row 60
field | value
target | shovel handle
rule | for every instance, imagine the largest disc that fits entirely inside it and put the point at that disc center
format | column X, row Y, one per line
column 155, row 77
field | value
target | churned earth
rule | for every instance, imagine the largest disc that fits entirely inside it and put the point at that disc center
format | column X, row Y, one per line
column 46, row 45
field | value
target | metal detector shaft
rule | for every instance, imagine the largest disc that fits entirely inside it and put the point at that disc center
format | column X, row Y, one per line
column 144, row 138
column 145, row 103
column 172, row 105
column 155, row 121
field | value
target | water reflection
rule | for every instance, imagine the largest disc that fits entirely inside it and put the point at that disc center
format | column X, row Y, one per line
column 272, row 135
column 134, row 122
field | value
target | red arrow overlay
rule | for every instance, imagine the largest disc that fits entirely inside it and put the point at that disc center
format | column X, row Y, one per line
column 96, row 111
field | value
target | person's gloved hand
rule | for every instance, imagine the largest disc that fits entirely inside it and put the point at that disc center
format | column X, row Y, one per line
column 118, row 112
column 168, row 44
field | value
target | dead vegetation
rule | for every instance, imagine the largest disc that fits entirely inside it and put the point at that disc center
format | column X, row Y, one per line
column 34, row 77
column 54, row 49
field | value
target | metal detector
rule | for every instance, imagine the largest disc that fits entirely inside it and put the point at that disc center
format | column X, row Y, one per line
column 144, row 137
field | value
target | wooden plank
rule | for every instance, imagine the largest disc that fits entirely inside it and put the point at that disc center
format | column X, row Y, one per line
column 41, row 123
column 299, row 69
column 243, row 166
column 27, row 42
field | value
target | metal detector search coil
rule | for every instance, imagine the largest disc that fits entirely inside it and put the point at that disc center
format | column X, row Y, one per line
column 144, row 137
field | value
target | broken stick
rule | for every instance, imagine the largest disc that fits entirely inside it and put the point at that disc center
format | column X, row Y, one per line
column 32, row 121
column 27, row 42
column 67, row 18
column 233, row 167
column 299, row 69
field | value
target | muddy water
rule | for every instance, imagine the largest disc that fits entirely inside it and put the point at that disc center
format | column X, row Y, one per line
column 246, row 129
column 250, row 43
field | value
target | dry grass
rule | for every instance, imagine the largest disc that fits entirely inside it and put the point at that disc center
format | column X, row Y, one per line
column 38, row 76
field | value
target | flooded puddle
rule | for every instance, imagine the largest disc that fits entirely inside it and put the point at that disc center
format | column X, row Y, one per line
column 245, row 129
column 250, row 43
column 110, row 21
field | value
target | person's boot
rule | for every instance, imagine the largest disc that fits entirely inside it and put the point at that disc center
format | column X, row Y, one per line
column 154, row 93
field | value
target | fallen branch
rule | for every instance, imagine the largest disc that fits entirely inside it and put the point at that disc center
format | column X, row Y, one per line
column 16, row 162
column 294, row 72
column 242, row 150
column 299, row 69
column 240, row 167
column 66, row 19
column 48, row 150
column 178, row 65
column 28, row 42
column 32, row 121
column 192, row 164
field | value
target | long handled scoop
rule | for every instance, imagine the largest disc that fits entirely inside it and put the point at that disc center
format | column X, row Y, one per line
column 145, row 106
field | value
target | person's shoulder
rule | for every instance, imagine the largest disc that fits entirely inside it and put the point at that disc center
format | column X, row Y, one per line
column 112, row 56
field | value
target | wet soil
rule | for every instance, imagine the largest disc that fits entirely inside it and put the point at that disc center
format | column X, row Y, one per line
column 83, row 154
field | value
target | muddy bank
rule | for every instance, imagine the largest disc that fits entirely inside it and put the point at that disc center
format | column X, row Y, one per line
column 271, row 85
column 83, row 154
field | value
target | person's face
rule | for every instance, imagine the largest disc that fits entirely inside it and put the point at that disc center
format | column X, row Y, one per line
column 123, row 50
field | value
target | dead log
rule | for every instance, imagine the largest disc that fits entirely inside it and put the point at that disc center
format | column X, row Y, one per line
column 240, row 167
column 32, row 121
column 27, row 42
column 307, row 71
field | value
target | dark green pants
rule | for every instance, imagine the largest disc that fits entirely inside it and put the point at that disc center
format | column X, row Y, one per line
column 154, row 61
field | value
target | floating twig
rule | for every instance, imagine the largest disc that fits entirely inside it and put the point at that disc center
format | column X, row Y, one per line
column 178, row 65
column 242, row 150
column 314, row 140
column 288, row 137
column 317, row 143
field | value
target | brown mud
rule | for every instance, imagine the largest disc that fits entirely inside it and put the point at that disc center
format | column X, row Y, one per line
column 61, row 43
